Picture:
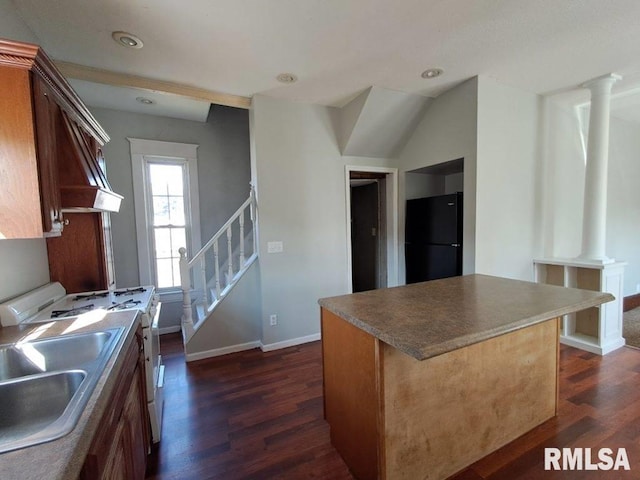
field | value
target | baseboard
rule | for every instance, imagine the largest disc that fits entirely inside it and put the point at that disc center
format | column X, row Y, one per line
column 631, row 302
column 289, row 343
column 165, row 330
column 216, row 352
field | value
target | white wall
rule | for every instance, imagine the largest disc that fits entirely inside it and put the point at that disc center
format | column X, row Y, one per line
column 563, row 171
column 447, row 132
column 301, row 190
column 23, row 263
column 509, row 187
column 623, row 200
column 564, row 164
column 23, row 266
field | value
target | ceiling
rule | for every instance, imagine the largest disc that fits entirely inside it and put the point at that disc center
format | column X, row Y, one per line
column 338, row 48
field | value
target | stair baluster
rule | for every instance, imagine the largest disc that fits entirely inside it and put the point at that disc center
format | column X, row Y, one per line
column 187, row 315
column 217, row 269
column 213, row 289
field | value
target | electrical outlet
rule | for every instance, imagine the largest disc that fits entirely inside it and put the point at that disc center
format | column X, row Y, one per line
column 637, row 287
column 275, row 247
column 273, row 319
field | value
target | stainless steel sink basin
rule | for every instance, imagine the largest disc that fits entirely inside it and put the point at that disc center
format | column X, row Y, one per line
column 62, row 353
column 14, row 364
column 31, row 406
column 45, row 385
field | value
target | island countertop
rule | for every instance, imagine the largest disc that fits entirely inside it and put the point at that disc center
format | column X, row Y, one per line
column 428, row 319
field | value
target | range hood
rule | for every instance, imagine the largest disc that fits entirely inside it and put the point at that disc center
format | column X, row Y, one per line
column 83, row 183
column 69, row 138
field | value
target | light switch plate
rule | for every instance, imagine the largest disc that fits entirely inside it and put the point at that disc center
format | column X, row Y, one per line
column 275, row 247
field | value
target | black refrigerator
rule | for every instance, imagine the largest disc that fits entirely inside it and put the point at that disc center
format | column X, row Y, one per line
column 433, row 237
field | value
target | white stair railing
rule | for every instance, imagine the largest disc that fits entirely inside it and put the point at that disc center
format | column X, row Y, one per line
column 211, row 289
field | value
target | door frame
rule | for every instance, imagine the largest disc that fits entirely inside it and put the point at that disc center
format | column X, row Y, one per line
column 391, row 200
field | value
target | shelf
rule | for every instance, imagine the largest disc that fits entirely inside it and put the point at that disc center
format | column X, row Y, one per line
column 588, row 328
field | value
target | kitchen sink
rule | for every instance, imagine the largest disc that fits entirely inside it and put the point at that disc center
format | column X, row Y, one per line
column 31, row 405
column 14, row 364
column 52, row 354
column 45, row 385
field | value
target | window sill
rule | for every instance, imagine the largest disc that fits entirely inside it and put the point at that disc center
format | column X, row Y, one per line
column 170, row 296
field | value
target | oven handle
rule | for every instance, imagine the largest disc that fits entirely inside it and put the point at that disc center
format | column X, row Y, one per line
column 156, row 316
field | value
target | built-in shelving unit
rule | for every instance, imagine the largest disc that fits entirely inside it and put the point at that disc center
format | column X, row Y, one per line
column 597, row 329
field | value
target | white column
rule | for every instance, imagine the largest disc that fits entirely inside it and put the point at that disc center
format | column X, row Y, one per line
column 595, row 188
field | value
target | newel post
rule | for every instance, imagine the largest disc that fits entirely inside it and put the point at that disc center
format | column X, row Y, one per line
column 185, row 284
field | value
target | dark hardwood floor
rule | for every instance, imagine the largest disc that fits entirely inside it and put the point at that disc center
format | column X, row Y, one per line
column 254, row 415
column 248, row 415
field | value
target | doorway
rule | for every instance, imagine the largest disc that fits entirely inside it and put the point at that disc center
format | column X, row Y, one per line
column 372, row 228
column 368, row 257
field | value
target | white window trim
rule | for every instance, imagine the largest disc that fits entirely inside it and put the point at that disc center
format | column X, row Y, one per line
column 141, row 148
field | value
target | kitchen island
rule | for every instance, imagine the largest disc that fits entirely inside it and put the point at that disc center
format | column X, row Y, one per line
column 420, row 381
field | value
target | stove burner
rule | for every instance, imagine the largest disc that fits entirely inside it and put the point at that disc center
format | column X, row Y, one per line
column 129, row 291
column 71, row 312
column 91, row 296
column 125, row 304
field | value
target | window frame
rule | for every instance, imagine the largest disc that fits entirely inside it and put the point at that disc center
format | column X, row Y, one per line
column 143, row 151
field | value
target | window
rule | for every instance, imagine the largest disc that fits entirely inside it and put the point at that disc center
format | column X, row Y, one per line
column 166, row 207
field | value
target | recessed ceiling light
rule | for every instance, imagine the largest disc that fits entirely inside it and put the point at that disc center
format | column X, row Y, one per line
column 287, row 78
column 145, row 100
column 432, row 73
column 127, row 39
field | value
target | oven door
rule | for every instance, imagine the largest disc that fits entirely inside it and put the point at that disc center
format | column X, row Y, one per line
column 155, row 381
column 151, row 341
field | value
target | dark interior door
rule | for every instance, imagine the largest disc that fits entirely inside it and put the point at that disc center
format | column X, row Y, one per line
column 364, row 236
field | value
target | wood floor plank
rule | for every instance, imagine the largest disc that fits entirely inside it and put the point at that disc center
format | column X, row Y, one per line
column 255, row 415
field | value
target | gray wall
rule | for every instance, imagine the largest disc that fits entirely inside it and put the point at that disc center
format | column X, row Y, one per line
column 223, row 177
column 223, row 171
column 11, row 25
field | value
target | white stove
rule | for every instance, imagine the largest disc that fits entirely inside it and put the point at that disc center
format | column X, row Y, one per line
column 51, row 302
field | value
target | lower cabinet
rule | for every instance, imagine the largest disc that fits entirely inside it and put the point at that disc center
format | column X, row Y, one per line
column 119, row 449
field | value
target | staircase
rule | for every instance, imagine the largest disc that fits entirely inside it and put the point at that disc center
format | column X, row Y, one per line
column 211, row 273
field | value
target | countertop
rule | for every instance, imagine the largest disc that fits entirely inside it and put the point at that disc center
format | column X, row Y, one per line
column 63, row 458
column 428, row 319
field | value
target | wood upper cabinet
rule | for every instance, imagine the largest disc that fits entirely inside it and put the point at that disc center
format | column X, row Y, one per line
column 29, row 194
column 82, row 258
column 47, row 112
column 49, row 147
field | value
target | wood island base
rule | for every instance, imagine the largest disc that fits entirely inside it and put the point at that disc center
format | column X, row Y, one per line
column 395, row 417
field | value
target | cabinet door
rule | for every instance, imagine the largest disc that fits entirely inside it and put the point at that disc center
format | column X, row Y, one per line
column 20, row 214
column 78, row 259
column 117, row 466
column 135, row 415
column 119, row 449
column 46, row 112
